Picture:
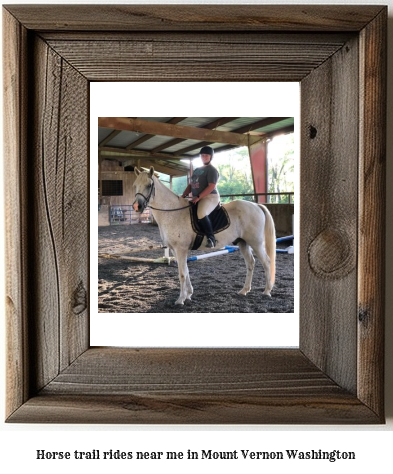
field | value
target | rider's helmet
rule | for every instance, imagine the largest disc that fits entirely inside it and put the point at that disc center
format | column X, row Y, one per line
column 207, row 150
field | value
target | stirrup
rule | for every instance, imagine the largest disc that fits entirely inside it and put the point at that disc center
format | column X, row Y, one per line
column 211, row 243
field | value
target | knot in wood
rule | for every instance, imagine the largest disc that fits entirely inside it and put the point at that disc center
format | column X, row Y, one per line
column 363, row 316
column 313, row 132
column 80, row 299
column 331, row 255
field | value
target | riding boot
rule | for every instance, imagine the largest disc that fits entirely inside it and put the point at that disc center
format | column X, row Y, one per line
column 207, row 228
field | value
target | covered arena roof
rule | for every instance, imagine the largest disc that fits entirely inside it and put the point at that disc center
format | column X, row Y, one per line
column 163, row 142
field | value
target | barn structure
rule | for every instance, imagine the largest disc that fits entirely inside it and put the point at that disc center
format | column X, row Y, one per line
column 170, row 144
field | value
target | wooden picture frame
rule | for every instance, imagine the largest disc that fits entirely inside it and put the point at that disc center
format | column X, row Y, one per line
column 338, row 54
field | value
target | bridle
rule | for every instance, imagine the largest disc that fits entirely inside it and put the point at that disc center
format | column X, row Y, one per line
column 147, row 199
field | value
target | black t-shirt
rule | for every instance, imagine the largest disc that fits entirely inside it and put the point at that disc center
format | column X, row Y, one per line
column 202, row 177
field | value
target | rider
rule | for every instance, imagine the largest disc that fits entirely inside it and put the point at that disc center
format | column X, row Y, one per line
column 204, row 189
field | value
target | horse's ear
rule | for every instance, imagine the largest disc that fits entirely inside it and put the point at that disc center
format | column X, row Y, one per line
column 136, row 171
column 151, row 173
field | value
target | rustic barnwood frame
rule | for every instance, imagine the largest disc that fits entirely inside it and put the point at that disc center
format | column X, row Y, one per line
column 338, row 54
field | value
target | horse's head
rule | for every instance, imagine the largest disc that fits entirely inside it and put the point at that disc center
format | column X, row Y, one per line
column 144, row 189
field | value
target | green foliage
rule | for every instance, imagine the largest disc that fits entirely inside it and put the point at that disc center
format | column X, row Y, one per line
column 235, row 174
column 179, row 184
column 281, row 167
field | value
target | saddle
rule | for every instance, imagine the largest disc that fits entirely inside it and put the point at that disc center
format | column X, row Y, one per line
column 219, row 218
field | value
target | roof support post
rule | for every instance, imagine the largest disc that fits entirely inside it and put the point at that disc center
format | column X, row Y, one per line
column 100, row 159
column 258, row 159
column 191, row 171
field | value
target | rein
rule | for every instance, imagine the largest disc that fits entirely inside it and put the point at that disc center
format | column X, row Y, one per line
column 170, row 210
column 147, row 199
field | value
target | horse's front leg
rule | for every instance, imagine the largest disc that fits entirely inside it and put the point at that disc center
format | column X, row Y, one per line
column 184, row 277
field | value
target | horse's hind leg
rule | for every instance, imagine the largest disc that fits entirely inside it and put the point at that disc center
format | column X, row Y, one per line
column 265, row 260
column 184, row 277
column 245, row 249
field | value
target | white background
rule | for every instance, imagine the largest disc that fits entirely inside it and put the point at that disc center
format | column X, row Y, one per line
column 174, row 99
column 372, row 444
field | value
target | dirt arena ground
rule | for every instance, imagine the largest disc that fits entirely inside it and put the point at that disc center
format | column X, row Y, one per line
column 129, row 287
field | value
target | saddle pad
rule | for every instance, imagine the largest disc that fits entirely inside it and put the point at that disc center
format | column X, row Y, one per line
column 219, row 218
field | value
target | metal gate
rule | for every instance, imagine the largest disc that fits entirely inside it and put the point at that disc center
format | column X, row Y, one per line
column 125, row 214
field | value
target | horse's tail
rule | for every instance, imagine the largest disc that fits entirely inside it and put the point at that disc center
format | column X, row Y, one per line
column 270, row 241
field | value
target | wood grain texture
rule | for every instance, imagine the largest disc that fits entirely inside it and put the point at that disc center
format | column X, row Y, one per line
column 188, row 59
column 183, row 371
column 14, row 148
column 193, row 386
column 195, row 36
column 188, row 17
column 53, row 376
column 372, row 198
column 239, row 409
column 59, row 190
column 328, row 249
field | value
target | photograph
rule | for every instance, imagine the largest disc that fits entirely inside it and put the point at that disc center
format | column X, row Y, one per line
column 201, row 206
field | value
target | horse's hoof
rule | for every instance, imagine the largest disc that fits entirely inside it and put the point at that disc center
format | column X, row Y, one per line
column 243, row 292
column 179, row 302
column 267, row 293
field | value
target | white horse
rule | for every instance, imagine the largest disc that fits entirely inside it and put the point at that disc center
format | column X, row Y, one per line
column 250, row 224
